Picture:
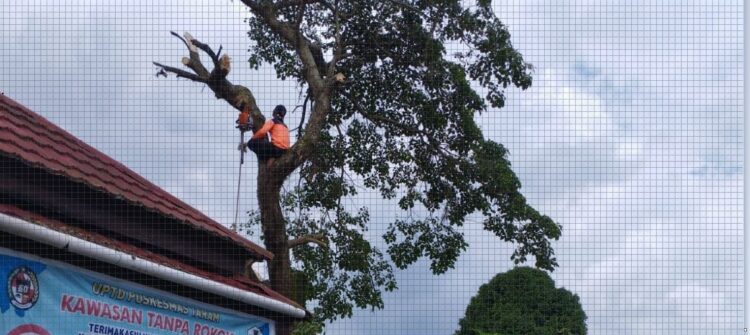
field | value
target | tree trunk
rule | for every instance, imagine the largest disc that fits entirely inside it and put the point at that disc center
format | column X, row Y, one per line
column 270, row 178
column 284, row 327
column 275, row 236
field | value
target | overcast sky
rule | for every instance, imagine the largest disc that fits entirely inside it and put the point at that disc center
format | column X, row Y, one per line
column 630, row 138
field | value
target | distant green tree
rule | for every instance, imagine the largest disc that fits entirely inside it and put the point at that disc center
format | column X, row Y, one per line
column 523, row 301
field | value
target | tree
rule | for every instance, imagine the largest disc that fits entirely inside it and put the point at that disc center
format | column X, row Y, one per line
column 523, row 301
column 390, row 110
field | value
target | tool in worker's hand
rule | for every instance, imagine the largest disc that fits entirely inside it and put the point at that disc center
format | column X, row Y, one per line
column 243, row 124
column 242, row 147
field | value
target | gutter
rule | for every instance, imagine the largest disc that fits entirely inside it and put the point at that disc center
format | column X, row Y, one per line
column 82, row 247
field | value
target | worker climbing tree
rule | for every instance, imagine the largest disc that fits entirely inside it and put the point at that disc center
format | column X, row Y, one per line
column 393, row 91
column 264, row 148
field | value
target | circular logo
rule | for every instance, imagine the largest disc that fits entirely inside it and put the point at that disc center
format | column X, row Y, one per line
column 254, row 331
column 28, row 329
column 23, row 288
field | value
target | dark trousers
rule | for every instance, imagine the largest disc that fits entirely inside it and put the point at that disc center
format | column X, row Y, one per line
column 264, row 149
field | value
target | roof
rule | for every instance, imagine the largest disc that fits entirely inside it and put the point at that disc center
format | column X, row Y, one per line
column 35, row 140
column 236, row 281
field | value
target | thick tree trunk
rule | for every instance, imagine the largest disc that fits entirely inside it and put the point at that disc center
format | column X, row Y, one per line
column 275, row 236
column 284, row 328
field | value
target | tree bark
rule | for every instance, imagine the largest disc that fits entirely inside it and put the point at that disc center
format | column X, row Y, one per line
column 274, row 230
column 275, row 237
column 284, row 328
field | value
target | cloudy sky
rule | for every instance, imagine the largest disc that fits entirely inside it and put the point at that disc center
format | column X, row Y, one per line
column 631, row 138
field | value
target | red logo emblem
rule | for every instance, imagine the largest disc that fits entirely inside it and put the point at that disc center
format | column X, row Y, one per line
column 28, row 329
column 23, row 288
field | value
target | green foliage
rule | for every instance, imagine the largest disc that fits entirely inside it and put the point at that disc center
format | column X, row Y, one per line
column 523, row 301
column 308, row 328
column 349, row 273
column 403, row 126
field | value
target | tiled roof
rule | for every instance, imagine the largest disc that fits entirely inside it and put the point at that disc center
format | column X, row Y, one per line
column 27, row 136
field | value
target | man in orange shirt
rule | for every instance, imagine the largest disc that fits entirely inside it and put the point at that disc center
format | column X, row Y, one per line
column 260, row 144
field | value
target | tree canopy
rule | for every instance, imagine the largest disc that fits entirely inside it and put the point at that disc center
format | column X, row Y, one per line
column 391, row 89
column 523, row 301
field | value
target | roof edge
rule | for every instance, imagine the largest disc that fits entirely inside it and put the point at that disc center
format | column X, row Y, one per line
column 191, row 216
column 60, row 235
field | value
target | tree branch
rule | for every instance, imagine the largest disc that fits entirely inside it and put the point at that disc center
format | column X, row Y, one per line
column 187, row 45
column 321, row 92
column 208, row 51
column 194, row 61
column 302, row 119
column 338, row 46
column 238, row 96
column 318, row 239
column 300, row 15
column 181, row 73
column 294, row 38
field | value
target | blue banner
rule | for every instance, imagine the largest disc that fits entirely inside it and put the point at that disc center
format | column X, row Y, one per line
column 42, row 297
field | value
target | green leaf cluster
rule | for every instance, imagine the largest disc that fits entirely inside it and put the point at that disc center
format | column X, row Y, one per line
column 402, row 126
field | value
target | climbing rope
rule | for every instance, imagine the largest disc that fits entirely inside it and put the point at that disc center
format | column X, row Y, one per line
column 239, row 181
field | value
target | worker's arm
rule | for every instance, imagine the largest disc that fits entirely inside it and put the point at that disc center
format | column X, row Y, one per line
column 263, row 131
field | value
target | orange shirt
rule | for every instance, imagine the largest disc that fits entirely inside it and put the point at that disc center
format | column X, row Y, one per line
column 279, row 133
